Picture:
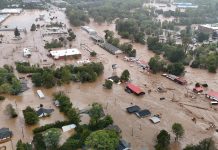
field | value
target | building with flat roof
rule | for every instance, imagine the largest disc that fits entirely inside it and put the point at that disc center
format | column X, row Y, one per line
column 58, row 54
column 11, row 11
column 31, row 1
column 208, row 28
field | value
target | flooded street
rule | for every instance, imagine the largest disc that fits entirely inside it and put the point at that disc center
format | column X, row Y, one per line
column 139, row 132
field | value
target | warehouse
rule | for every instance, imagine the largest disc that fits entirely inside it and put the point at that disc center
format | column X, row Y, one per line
column 58, row 54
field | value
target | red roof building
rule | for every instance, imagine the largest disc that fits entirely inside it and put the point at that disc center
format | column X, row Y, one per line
column 212, row 95
column 135, row 89
column 198, row 89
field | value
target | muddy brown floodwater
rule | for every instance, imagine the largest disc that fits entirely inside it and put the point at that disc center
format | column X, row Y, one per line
column 139, row 132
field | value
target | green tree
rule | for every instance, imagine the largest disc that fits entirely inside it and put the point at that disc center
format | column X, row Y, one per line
column 37, row 79
column 11, row 111
column 93, row 54
column 178, row 130
column 30, row 116
column 51, row 138
column 38, row 141
column 206, row 144
column 16, row 32
column 48, row 79
column 125, row 76
column 16, row 86
column 163, row 140
column 66, row 75
column 73, row 116
column 23, row 146
column 201, row 36
column 155, row 64
column 96, row 111
column 102, row 139
column 33, row 27
column 176, row 68
column 108, row 84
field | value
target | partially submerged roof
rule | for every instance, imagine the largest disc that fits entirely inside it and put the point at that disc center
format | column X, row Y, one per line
column 213, row 95
column 133, row 109
column 61, row 53
column 143, row 113
column 110, row 48
column 5, row 133
column 135, row 89
column 155, row 119
column 198, row 89
column 42, row 112
column 123, row 145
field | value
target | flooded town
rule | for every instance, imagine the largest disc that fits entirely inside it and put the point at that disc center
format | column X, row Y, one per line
column 139, row 79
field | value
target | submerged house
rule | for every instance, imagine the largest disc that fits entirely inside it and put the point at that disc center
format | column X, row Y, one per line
column 135, row 89
column 42, row 112
column 110, row 48
column 97, row 39
column 5, row 135
column 199, row 89
column 133, row 109
column 176, row 79
column 212, row 95
column 123, row 145
column 143, row 113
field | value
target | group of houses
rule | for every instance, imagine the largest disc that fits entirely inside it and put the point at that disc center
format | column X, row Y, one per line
column 141, row 113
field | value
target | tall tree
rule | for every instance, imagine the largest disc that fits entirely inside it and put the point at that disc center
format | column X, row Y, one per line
column 102, row 140
column 125, row 76
column 163, row 140
column 178, row 130
column 16, row 32
column 51, row 138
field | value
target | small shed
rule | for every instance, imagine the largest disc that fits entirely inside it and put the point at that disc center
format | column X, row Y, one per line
column 40, row 94
column 133, row 109
column 143, row 113
column 68, row 127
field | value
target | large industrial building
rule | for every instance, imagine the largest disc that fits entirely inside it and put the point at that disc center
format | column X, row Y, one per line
column 208, row 28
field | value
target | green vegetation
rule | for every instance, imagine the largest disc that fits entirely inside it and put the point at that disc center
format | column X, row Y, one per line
column 175, row 69
column 125, row 47
column 201, row 36
column 206, row 144
column 108, row 84
column 71, row 36
column 9, row 84
column 16, row 32
column 206, row 57
column 25, row 67
column 2, row 98
column 23, row 146
column 57, row 124
column 163, row 141
column 11, row 111
column 49, row 77
column 130, row 29
column 76, row 16
column 125, row 76
column 178, row 130
column 102, row 139
column 97, row 122
column 48, row 139
column 66, row 107
column 53, row 44
column 30, row 116
column 93, row 54
column 33, row 27
column 156, row 64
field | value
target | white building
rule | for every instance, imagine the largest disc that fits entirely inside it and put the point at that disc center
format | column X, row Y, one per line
column 57, row 54
column 68, row 127
column 40, row 94
column 11, row 11
column 26, row 52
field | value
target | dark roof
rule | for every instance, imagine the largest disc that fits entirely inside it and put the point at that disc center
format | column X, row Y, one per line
column 135, row 89
column 133, row 109
column 143, row 113
column 123, row 145
column 5, row 133
column 43, row 111
column 109, row 47
column 97, row 37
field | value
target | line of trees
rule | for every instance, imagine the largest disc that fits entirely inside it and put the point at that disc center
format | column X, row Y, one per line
column 49, row 77
column 9, row 84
